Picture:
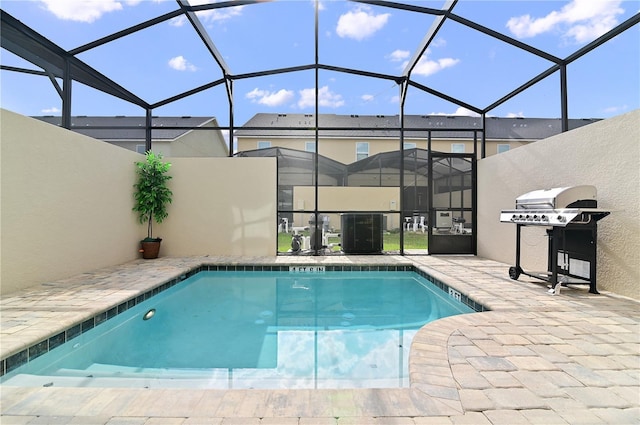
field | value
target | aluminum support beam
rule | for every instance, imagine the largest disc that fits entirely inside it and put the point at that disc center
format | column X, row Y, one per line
column 428, row 38
column 204, row 36
column 148, row 132
column 31, row 46
column 564, row 99
column 66, row 95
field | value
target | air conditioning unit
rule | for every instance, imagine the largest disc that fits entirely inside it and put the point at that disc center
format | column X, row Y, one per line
column 361, row 233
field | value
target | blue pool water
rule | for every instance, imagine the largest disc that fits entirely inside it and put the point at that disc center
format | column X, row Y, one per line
column 255, row 330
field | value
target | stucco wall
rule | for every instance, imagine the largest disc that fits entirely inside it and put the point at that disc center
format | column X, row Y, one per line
column 221, row 206
column 66, row 204
column 605, row 154
column 347, row 199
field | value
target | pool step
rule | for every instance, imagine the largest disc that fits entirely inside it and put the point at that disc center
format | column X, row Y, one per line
column 98, row 370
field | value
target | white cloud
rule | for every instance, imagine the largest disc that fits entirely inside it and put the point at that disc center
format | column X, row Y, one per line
column 86, row 10
column 465, row 112
column 81, row 10
column 178, row 21
column 179, row 63
column 360, row 23
column 326, row 98
column 580, row 20
column 426, row 67
column 52, row 110
column 615, row 109
column 460, row 112
column 268, row 98
column 438, row 42
column 515, row 114
column 208, row 16
column 398, row 55
column 367, row 97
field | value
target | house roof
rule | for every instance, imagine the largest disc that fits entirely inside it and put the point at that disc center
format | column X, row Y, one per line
column 415, row 160
column 132, row 128
column 416, row 126
column 293, row 158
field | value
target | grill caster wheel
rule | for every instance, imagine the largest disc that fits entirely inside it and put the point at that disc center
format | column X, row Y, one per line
column 514, row 272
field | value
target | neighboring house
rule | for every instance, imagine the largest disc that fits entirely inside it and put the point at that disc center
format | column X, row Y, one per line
column 359, row 168
column 171, row 136
column 367, row 135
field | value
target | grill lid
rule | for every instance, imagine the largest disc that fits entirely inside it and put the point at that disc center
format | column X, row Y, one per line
column 560, row 197
column 559, row 206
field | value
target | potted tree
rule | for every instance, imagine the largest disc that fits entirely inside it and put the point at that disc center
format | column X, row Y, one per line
column 151, row 198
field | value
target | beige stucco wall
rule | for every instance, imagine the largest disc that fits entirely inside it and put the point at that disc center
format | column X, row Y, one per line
column 347, row 199
column 161, row 147
column 221, row 206
column 66, row 201
column 66, row 204
column 344, row 150
column 605, row 154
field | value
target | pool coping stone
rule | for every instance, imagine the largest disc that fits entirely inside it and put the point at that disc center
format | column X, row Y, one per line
column 530, row 358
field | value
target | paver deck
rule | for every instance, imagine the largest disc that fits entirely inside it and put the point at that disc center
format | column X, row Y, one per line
column 573, row 358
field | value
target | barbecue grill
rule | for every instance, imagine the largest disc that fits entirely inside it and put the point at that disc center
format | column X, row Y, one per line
column 570, row 215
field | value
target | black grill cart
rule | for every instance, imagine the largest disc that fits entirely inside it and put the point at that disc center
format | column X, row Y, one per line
column 571, row 216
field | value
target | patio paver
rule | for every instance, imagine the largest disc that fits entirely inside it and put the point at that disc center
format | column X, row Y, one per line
column 535, row 358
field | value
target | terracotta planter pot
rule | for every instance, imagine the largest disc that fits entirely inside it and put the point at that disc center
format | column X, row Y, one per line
column 150, row 249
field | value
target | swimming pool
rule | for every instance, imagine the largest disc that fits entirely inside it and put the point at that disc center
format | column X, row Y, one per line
column 268, row 329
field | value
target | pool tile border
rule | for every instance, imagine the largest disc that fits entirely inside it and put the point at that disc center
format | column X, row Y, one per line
column 34, row 351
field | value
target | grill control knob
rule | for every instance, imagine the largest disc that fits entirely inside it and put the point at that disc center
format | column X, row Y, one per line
column 561, row 219
column 544, row 218
column 514, row 217
column 535, row 217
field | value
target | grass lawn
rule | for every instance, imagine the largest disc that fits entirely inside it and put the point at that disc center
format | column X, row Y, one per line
column 391, row 241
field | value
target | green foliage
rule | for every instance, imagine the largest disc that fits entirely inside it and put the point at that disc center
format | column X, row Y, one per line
column 151, row 192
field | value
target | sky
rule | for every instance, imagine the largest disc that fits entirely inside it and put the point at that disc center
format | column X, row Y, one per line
column 169, row 58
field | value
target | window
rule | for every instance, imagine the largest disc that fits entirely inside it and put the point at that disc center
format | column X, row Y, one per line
column 409, row 145
column 503, row 147
column 457, row 147
column 310, row 146
column 264, row 144
column 362, row 150
column 140, row 149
